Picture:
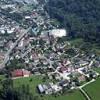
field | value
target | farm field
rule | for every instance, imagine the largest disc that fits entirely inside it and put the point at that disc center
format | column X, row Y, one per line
column 93, row 90
column 33, row 81
column 97, row 70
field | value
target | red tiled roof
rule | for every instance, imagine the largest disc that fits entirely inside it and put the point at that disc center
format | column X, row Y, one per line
column 25, row 72
column 62, row 69
column 17, row 73
column 20, row 72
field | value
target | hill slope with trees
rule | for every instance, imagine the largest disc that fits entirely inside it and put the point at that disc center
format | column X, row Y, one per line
column 80, row 17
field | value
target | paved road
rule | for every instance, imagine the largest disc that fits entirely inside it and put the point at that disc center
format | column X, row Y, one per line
column 93, row 80
column 14, row 45
column 85, row 94
column 82, row 90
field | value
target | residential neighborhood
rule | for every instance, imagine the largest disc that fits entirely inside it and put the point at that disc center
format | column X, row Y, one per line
column 34, row 45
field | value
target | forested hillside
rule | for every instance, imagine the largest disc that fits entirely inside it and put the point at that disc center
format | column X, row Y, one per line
column 80, row 17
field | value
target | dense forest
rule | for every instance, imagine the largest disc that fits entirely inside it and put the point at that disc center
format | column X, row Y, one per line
column 81, row 18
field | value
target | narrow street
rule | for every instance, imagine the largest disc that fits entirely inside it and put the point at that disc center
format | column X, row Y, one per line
column 22, row 34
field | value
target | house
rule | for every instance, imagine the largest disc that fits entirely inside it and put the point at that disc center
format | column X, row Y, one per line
column 45, row 88
column 63, row 83
column 20, row 73
column 81, row 78
column 27, row 17
column 56, row 88
column 41, row 88
column 26, row 73
column 49, row 88
column 56, row 76
column 17, row 73
column 63, row 69
column 83, row 63
column 2, row 44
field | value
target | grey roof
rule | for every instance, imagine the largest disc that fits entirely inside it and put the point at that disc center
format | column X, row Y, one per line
column 41, row 89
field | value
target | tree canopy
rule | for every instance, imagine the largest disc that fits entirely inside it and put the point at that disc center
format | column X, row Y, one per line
column 79, row 17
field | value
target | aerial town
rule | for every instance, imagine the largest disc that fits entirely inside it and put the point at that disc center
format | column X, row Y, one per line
column 33, row 44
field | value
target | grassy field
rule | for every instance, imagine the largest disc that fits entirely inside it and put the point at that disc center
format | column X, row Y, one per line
column 94, row 90
column 76, row 95
column 78, row 42
column 35, row 80
column 97, row 69
column 2, row 77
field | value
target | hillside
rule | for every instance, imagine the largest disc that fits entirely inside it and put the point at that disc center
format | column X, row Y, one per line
column 80, row 17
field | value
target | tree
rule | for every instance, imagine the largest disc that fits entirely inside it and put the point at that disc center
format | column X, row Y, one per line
column 8, row 92
column 80, row 18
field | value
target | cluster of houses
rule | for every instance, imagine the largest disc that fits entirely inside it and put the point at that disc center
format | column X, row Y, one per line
column 66, row 81
column 49, row 88
column 44, row 50
column 9, row 32
column 68, row 72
